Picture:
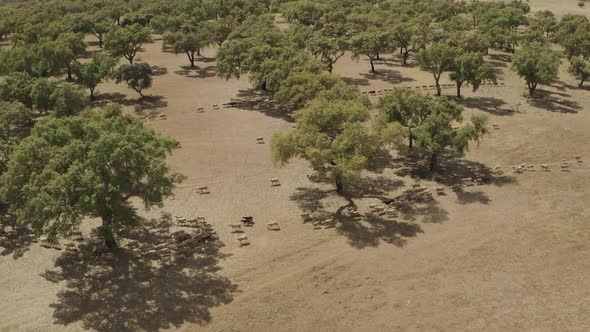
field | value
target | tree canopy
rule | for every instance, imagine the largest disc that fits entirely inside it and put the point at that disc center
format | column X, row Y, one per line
column 126, row 41
column 87, row 166
column 437, row 133
column 406, row 106
column 332, row 137
column 138, row 76
column 536, row 64
column 470, row 68
column 437, row 58
column 90, row 74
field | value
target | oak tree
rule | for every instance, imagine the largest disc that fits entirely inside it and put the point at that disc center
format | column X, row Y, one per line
column 91, row 165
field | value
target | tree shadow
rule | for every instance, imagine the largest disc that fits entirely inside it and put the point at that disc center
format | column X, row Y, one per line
column 372, row 230
column 258, row 101
column 310, row 199
column 15, row 239
column 397, row 60
column 490, row 105
column 141, row 104
column 89, row 54
column 503, row 58
column 159, row 71
column 157, row 280
column 197, row 72
column 205, row 59
column 387, row 75
column 356, row 81
column 469, row 197
column 550, row 101
column 378, row 187
column 585, row 87
column 497, row 65
column 455, row 173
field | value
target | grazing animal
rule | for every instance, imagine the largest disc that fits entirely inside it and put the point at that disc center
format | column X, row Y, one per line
column 236, row 228
column 243, row 240
column 273, row 226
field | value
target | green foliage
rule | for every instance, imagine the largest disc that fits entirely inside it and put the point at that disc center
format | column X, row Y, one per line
column 327, row 49
column 166, row 23
column 580, row 68
column 438, row 134
column 248, row 46
column 40, row 95
column 87, row 166
column 221, row 29
column 573, row 33
column 470, row 68
column 100, row 27
column 403, row 35
column 545, row 21
column 189, row 43
column 138, row 76
column 306, row 12
column 301, row 87
column 127, row 41
column 15, row 116
column 90, row 74
column 24, row 59
column 7, row 143
column 371, row 42
column 16, row 87
column 500, row 21
column 332, row 137
column 68, row 100
column 437, row 58
column 59, row 54
column 536, row 64
column 282, row 62
column 405, row 106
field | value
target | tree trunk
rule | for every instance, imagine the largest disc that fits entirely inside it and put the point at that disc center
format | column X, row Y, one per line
column 191, row 58
column 100, row 42
column 438, row 90
column 532, row 87
column 410, row 139
column 401, row 50
column 459, row 89
column 406, row 53
column 433, row 162
column 372, row 66
column 91, row 93
column 69, row 74
column 107, row 231
column 198, row 52
column 378, row 56
column 581, row 85
column 339, row 185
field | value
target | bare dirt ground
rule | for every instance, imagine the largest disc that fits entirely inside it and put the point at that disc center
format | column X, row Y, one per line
column 508, row 255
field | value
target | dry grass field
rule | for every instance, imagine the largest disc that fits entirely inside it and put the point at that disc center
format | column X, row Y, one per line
column 511, row 254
